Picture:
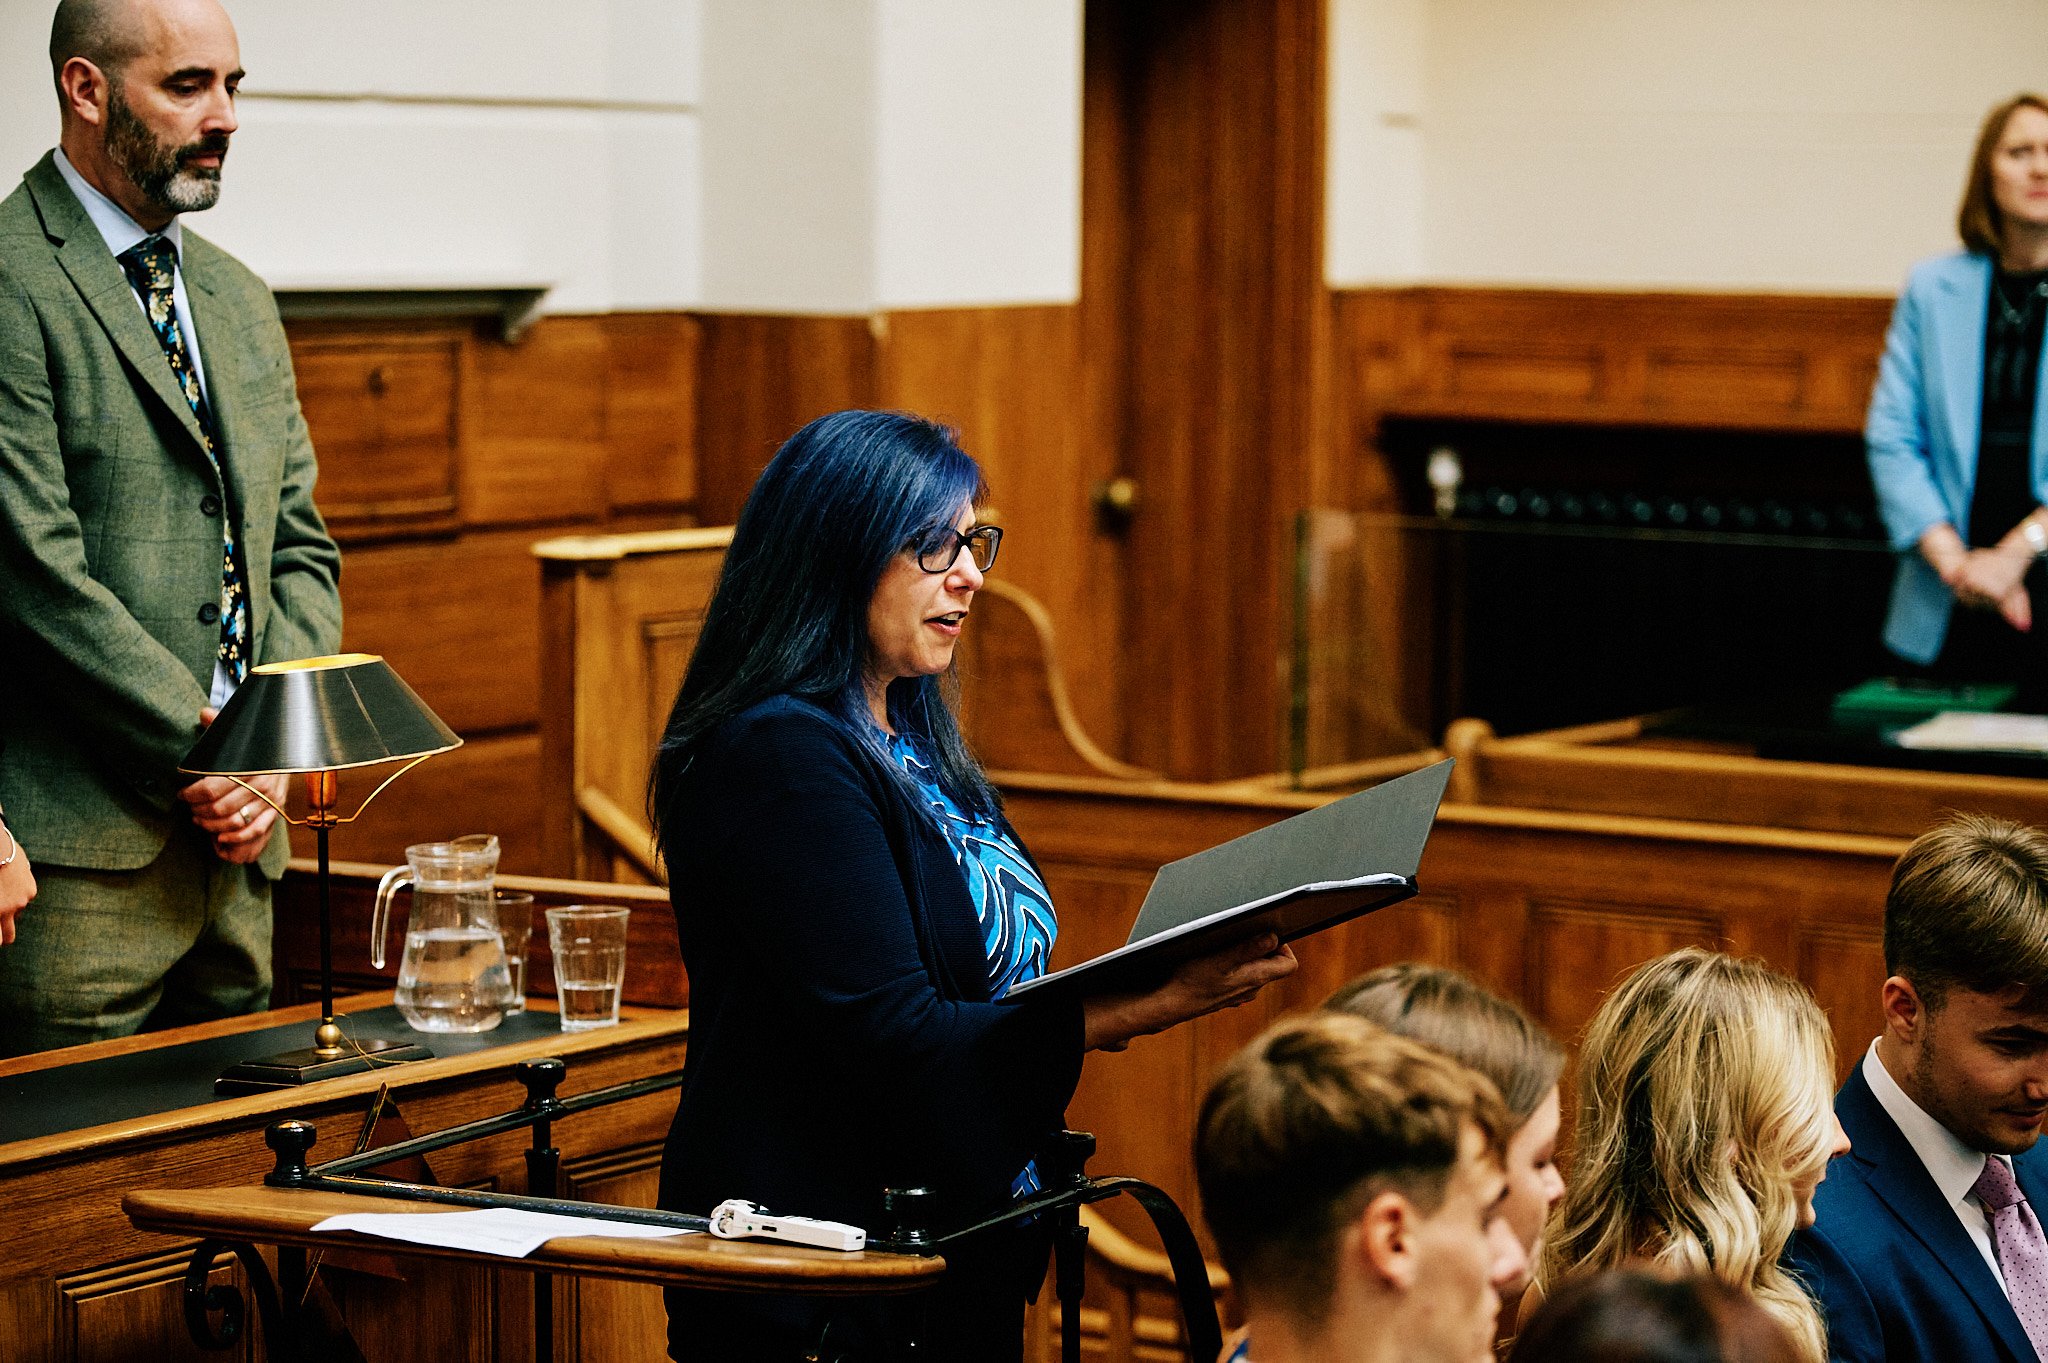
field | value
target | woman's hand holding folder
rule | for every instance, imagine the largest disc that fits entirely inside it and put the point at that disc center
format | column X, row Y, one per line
column 1208, row 983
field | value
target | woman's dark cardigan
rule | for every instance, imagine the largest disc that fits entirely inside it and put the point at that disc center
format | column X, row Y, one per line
column 842, row 1039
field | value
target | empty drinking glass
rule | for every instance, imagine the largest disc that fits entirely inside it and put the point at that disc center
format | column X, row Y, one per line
column 589, row 945
column 515, row 925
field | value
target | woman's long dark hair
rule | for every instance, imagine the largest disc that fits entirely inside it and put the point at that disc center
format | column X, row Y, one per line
column 841, row 499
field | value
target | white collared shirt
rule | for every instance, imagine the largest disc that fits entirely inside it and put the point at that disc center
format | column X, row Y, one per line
column 120, row 233
column 1953, row 1166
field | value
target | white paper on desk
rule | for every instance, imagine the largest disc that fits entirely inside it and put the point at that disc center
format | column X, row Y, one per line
column 1972, row 731
column 509, row 1231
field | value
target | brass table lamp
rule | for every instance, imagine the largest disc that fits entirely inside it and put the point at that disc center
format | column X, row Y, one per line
column 319, row 717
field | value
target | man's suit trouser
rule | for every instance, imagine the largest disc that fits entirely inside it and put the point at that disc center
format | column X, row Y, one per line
column 108, row 953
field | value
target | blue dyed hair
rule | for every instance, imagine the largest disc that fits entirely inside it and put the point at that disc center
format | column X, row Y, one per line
column 838, row 502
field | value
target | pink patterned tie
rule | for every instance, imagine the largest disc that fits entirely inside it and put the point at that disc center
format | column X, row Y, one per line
column 2022, row 1252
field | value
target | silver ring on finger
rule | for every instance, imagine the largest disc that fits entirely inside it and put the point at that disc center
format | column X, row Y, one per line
column 247, row 815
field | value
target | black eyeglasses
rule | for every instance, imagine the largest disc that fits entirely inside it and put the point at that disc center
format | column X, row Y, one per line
column 938, row 549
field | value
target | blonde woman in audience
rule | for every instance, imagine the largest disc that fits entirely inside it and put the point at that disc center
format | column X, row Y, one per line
column 1451, row 1013
column 1705, row 1123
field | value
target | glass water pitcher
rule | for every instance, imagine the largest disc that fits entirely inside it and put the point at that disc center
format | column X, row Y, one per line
column 453, row 976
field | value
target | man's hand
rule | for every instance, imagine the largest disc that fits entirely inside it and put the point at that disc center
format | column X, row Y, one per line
column 239, row 820
column 17, row 888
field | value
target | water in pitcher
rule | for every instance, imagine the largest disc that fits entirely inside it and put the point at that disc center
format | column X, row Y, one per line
column 453, row 976
column 453, row 980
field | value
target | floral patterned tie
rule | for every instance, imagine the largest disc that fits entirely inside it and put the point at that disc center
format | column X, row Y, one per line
column 151, row 265
column 2022, row 1251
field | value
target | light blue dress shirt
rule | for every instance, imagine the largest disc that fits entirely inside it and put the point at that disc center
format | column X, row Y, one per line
column 1925, row 423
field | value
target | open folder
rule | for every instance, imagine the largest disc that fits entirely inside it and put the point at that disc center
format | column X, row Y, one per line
column 1295, row 878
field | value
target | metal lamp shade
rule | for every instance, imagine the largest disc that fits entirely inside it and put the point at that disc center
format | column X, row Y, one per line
column 318, row 714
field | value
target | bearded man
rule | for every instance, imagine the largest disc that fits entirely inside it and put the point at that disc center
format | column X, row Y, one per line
column 157, row 538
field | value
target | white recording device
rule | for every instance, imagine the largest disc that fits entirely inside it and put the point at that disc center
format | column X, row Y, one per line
column 738, row 1219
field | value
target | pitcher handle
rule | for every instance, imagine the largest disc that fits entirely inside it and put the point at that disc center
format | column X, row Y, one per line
column 380, row 922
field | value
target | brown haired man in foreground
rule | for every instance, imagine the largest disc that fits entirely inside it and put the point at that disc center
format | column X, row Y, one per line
column 1353, row 1182
column 1928, row 1243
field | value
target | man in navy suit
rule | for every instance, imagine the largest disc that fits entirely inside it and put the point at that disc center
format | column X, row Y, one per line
column 1928, row 1243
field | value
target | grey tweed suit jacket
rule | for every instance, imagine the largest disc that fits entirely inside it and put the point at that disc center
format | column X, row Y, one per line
column 110, row 533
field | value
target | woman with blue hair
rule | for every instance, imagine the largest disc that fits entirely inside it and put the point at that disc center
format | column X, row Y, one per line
column 852, row 903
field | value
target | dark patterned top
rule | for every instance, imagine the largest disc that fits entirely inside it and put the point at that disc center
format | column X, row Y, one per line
column 1018, row 924
column 2003, row 494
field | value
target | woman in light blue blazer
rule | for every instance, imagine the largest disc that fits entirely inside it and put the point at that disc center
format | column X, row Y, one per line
column 1957, row 441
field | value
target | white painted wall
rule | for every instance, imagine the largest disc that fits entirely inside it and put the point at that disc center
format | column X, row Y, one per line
column 822, row 156
column 1373, row 175
column 466, row 142
column 978, row 152
column 1695, row 144
column 789, row 156
column 862, row 155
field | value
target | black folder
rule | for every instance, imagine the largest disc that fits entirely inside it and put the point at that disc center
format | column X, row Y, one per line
column 1318, row 869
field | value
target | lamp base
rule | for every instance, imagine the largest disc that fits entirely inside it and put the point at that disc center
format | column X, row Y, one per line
column 289, row 1069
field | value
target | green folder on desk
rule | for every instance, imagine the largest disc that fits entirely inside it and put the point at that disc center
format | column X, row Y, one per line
column 1891, row 698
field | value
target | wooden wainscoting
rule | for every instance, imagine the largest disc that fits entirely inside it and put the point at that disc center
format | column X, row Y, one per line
column 1201, row 264
column 444, row 454
column 1661, row 366
column 1751, row 362
column 622, row 617
column 1547, row 908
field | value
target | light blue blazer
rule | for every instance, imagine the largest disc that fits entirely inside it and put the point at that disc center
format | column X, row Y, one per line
column 1922, row 432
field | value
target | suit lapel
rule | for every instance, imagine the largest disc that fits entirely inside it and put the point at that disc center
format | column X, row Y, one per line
column 1894, row 1172
column 1958, row 319
column 100, row 282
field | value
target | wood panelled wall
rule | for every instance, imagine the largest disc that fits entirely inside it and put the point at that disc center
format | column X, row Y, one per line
column 1202, row 255
column 1733, row 363
column 1754, row 362
column 1205, row 360
column 443, row 456
column 1548, row 909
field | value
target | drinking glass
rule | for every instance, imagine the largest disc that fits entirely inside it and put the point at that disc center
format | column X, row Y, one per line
column 515, row 925
column 589, row 945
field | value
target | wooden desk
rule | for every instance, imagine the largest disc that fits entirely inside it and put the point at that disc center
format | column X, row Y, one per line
column 1626, row 767
column 286, row 1216
column 79, row 1282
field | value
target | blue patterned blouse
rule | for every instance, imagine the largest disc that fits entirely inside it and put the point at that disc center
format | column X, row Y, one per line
column 1010, row 900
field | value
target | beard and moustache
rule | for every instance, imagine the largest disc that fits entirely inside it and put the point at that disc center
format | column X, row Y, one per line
column 158, row 170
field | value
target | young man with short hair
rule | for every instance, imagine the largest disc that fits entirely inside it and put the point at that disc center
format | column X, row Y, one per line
column 1928, row 1243
column 1353, row 1182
